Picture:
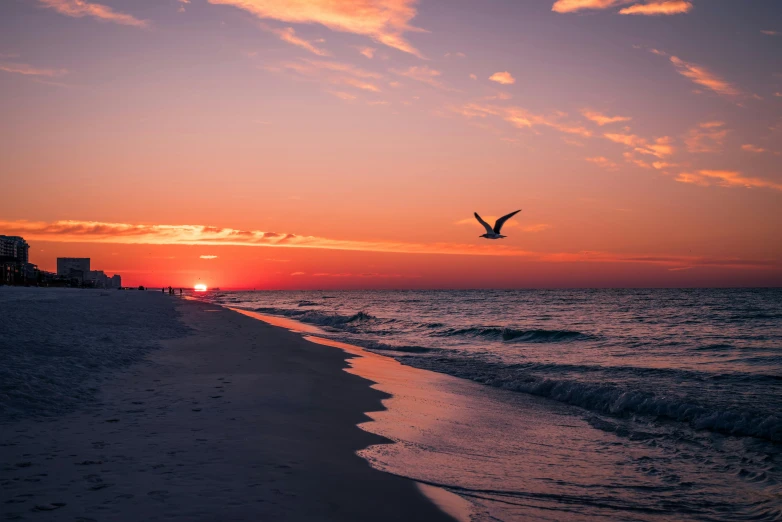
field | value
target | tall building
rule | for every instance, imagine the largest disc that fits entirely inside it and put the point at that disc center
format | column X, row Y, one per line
column 14, row 247
column 78, row 267
column 116, row 281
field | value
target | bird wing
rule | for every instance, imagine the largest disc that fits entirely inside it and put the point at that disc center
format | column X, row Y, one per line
column 485, row 224
column 502, row 220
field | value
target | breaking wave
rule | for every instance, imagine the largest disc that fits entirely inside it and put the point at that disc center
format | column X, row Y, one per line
column 607, row 398
column 510, row 334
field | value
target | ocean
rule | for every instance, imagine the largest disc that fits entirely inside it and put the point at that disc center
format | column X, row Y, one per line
column 627, row 404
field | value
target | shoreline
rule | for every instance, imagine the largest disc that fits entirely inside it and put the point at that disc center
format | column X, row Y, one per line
column 239, row 420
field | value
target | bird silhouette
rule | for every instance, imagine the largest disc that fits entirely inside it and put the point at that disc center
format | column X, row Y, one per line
column 494, row 233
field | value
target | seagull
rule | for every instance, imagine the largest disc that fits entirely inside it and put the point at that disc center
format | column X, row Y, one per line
column 494, row 233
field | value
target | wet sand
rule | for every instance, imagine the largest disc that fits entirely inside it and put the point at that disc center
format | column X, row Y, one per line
column 240, row 420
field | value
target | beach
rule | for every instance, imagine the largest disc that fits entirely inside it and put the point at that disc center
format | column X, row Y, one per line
column 221, row 417
column 124, row 405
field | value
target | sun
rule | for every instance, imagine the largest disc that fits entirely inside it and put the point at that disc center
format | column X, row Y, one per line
column 200, row 287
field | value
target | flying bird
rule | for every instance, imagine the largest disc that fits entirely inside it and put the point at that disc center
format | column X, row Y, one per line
column 494, row 233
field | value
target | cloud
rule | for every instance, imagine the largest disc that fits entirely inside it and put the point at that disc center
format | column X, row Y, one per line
column 81, row 8
column 752, row 148
column 369, row 52
column 334, row 73
column 298, row 273
column 650, row 8
column 770, row 33
column 659, row 147
column 29, row 70
column 385, row 21
column 572, row 6
column 522, row 118
column 669, row 7
column 602, row 119
column 343, row 95
column 425, row 74
column 288, row 35
column 473, row 77
column 661, row 165
column 207, row 257
column 603, row 162
column 363, row 275
column 725, row 178
column 124, row 233
column 505, row 78
column 706, row 137
column 539, row 227
column 531, row 229
column 703, row 77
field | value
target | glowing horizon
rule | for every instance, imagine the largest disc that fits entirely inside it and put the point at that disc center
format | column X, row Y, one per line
column 354, row 139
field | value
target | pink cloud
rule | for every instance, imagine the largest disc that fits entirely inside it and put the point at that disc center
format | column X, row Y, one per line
column 81, row 8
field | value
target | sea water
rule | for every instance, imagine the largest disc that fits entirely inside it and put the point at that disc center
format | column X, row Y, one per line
column 582, row 404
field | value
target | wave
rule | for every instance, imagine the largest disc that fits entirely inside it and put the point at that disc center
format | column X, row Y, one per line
column 607, row 398
column 511, row 334
column 323, row 319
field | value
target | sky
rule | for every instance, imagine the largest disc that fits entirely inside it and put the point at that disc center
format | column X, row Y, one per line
column 279, row 144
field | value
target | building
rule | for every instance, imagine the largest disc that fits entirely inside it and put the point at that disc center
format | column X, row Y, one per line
column 116, row 281
column 15, row 247
column 73, row 267
column 14, row 266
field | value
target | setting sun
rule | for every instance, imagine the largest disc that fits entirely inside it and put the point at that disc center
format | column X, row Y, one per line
column 200, row 287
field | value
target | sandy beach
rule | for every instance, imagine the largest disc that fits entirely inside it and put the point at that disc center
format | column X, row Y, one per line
column 223, row 417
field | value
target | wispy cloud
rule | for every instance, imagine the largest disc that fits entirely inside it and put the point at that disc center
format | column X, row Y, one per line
column 699, row 75
column 602, row 119
column 752, row 148
column 603, row 162
column 82, row 8
column 368, row 52
column 706, row 137
column 504, row 77
column 385, row 21
column 770, row 33
column 288, row 35
column 522, row 118
column 648, row 8
column 726, row 178
column 333, row 73
column 425, row 74
column 659, row 147
column 532, row 229
column 343, row 95
column 572, row 6
column 29, row 70
column 123, row 233
column 665, row 7
column 207, row 257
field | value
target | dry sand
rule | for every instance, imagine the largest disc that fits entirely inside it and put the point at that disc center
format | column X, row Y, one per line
column 239, row 420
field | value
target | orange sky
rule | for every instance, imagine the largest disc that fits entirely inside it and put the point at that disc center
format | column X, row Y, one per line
column 320, row 144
